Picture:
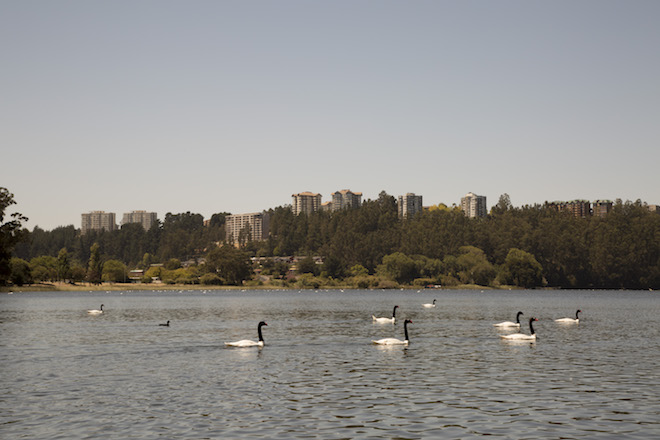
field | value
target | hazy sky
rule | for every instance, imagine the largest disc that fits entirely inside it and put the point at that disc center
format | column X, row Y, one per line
column 212, row 106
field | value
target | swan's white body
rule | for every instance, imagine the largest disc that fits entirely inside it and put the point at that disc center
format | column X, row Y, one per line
column 510, row 324
column 248, row 342
column 391, row 320
column 575, row 320
column 245, row 343
column 428, row 306
column 95, row 311
column 522, row 336
column 395, row 341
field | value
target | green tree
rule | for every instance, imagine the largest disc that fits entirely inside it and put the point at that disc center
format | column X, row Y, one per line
column 44, row 268
column 474, row 267
column 231, row 264
column 20, row 272
column 114, row 271
column 10, row 233
column 63, row 265
column 399, row 267
column 521, row 269
column 307, row 265
column 94, row 268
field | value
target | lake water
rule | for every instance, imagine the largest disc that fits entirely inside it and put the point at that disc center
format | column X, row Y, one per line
column 66, row 374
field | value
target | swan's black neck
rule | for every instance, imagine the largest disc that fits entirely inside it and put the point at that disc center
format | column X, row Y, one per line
column 261, row 337
column 518, row 317
column 394, row 312
column 405, row 329
column 531, row 327
column 101, row 307
column 433, row 301
column 576, row 314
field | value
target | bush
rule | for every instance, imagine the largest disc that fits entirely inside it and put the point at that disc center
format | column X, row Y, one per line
column 211, row 279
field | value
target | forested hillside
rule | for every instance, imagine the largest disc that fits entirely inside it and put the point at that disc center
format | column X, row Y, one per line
column 528, row 246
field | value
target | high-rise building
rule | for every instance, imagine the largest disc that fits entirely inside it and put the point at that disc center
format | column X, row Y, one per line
column 409, row 205
column 306, row 202
column 242, row 228
column 601, row 208
column 346, row 199
column 146, row 219
column 97, row 221
column 474, row 205
column 577, row 208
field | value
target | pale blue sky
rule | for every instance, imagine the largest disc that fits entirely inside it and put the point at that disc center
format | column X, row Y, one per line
column 211, row 106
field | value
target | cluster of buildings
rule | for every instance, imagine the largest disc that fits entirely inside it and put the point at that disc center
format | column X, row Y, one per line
column 584, row 208
column 241, row 228
column 101, row 220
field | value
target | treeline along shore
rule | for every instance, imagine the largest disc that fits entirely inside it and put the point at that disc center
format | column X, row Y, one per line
column 369, row 247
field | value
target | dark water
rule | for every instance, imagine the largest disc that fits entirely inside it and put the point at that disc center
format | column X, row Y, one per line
column 65, row 374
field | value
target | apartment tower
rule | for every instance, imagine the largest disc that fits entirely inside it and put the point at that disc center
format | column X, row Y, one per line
column 474, row 205
column 98, row 221
column 306, row 202
column 409, row 205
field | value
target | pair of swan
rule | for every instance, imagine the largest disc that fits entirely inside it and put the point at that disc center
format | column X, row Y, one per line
column 575, row 320
column 248, row 342
column 522, row 336
column 96, row 311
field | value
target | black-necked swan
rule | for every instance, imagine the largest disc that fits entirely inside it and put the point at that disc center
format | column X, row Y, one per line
column 575, row 320
column 394, row 341
column 509, row 323
column 386, row 320
column 247, row 342
column 428, row 306
column 95, row 311
column 522, row 336
column 167, row 324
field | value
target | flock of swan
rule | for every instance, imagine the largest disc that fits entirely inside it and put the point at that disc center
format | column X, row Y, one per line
column 394, row 341
column 532, row 335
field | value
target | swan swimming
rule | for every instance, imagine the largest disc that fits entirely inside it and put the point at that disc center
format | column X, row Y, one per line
column 428, row 306
column 95, row 311
column 386, row 320
column 167, row 324
column 394, row 341
column 522, row 336
column 509, row 323
column 248, row 342
column 575, row 320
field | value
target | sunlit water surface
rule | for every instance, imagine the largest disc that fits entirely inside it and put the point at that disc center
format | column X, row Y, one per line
column 66, row 374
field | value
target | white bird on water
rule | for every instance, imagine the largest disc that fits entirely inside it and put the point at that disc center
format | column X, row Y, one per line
column 575, row 320
column 428, row 306
column 248, row 342
column 509, row 323
column 386, row 320
column 394, row 341
column 95, row 311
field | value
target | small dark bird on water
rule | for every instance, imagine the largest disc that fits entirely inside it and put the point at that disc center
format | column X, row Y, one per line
column 167, row 324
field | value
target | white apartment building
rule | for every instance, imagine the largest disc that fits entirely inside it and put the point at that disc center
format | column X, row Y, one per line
column 306, row 202
column 409, row 205
column 346, row 199
column 474, row 205
column 241, row 228
column 146, row 219
column 98, row 221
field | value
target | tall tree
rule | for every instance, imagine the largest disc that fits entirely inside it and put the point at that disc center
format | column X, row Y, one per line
column 10, row 233
column 95, row 265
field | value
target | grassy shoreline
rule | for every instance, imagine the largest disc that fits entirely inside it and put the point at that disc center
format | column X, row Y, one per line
column 86, row 287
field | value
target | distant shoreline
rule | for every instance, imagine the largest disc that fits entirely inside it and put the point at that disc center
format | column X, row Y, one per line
column 86, row 287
